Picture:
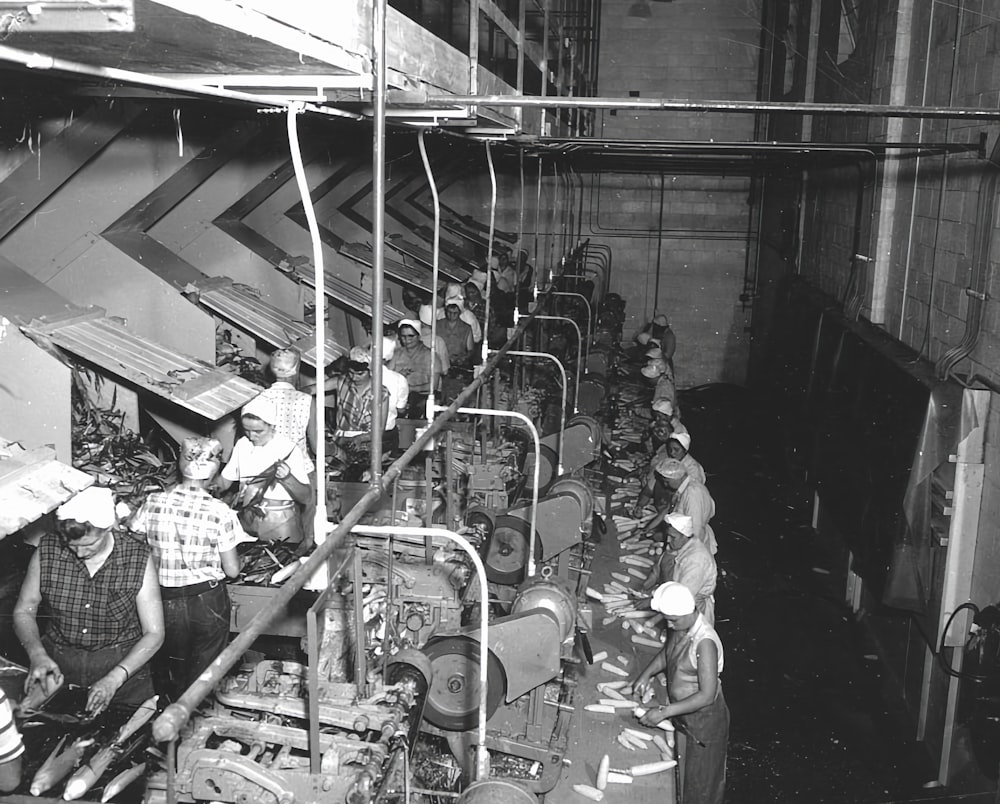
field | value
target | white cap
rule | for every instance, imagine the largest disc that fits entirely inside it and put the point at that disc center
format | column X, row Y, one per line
column 388, row 348
column 684, row 439
column 426, row 314
column 263, row 408
column 664, row 406
column 673, row 599
column 94, row 505
column 285, row 363
column 670, row 468
column 681, row 523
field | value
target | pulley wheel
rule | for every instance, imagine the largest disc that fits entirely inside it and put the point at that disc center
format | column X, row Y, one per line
column 505, row 554
column 453, row 697
column 480, row 518
column 546, row 469
column 578, row 489
column 496, row 791
column 590, row 423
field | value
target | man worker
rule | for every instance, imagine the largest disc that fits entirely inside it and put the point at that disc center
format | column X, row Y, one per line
column 193, row 538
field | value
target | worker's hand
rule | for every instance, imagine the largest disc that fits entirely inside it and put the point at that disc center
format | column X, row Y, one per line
column 655, row 715
column 282, row 470
column 104, row 690
column 46, row 672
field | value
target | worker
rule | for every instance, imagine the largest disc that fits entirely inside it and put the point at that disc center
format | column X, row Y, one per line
column 193, row 538
column 475, row 298
column 693, row 660
column 689, row 497
column 272, row 482
column 438, row 345
column 11, row 747
column 687, row 561
column 98, row 591
column 296, row 410
column 678, row 448
column 354, row 423
column 414, row 361
column 656, row 441
column 296, row 418
column 455, row 294
column 399, row 396
column 660, row 332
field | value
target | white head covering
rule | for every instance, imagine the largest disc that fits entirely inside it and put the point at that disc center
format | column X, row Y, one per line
column 285, row 363
column 660, row 320
column 653, row 369
column 664, row 406
column 408, row 322
column 94, row 505
column 388, row 348
column 684, row 439
column 670, row 468
column 478, row 278
column 458, row 301
column 643, row 338
column 453, row 289
column 681, row 523
column 656, row 353
column 263, row 408
column 673, row 599
column 426, row 314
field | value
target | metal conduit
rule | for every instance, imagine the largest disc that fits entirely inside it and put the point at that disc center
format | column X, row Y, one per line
column 749, row 107
column 484, row 606
column 378, row 235
column 565, row 391
column 513, row 414
column 579, row 351
column 489, row 248
column 590, row 316
column 168, row 724
column 435, row 258
column 320, row 515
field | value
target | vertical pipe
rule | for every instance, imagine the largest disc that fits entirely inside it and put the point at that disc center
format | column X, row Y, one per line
column 659, row 246
column 579, row 350
column 319, row 519
column 435, row 261
column 565, row 392
column 489, row 246
column 378, row 235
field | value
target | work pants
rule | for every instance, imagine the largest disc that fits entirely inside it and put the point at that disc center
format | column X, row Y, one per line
column 82, row 668
column 196, row 626
column 703, row 768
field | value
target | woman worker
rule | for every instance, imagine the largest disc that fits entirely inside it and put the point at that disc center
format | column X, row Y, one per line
column 693, row 661
column 272, row 476
column 101, row 595
column 414, row 361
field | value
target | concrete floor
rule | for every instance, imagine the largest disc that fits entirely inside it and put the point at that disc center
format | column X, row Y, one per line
column 811, row 718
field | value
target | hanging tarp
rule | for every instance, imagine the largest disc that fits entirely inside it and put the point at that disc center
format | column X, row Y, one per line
column 182, row 379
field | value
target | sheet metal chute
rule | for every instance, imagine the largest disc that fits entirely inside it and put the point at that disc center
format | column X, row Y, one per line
column 581, row 444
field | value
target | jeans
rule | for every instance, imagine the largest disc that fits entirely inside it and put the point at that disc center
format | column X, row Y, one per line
column 196, row 631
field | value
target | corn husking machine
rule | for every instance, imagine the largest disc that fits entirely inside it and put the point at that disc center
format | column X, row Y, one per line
column 383, row 703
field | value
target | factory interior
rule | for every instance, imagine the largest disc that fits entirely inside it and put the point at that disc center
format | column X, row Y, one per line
column 539, row 401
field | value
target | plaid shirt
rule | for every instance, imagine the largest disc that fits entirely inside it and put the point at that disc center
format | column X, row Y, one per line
column 92, row 613
column 11, row 746
column 187, row 529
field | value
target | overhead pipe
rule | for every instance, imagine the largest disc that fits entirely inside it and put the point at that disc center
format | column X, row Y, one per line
column 565, row 392
column 749, row 107
column 378, row 236
column 482, row 755
column 168, row 724
column 514, row 414
column 40, row 62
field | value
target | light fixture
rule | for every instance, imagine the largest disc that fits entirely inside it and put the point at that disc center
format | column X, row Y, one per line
column 640, row 8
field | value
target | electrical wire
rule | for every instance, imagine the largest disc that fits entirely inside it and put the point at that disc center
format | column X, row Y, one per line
column 977, row 678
